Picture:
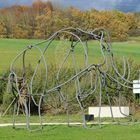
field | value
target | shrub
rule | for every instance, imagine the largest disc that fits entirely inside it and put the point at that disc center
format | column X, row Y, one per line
column 7, row 99
column 54, row 101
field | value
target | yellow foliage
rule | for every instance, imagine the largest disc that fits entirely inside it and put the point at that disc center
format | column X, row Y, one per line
column 41, row 20
column 2, row 30
column 19, row 32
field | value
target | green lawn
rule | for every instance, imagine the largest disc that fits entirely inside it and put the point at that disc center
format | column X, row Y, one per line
column 9, row 48
column 107, row 132
column 48, row 118
column 61, row 132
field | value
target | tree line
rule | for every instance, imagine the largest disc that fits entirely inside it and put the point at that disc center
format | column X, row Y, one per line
column 42, row 19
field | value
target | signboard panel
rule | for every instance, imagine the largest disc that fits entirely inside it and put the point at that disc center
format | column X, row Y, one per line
column 136, row 86
column 106, row 112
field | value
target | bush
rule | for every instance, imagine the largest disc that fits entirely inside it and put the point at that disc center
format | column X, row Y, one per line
column 3, row 85
column 134, row 32
column 54, row 102
column 7, row 99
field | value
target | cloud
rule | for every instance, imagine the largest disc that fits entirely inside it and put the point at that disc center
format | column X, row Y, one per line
column 88, row 4
column 128, row 5
column 122, row 5
column 5, row 3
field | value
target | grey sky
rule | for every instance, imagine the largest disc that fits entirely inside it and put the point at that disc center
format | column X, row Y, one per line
column 123, row 5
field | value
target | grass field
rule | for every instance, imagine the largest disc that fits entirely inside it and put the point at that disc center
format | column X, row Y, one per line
column 9, row 48
column 107, row 132
column 62, row 132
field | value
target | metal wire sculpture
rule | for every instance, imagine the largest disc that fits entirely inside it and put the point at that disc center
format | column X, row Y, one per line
column 22, row 87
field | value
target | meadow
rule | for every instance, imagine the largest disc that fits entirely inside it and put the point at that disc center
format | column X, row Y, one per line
column 107, row 132
column 9, row 48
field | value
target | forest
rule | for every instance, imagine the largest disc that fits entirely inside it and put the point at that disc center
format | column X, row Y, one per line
column 42, row 19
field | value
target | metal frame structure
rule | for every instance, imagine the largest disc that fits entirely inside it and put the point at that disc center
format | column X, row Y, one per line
column 23, row 89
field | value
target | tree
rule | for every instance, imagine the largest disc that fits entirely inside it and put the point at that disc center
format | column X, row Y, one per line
column 42, row 19
column 118, row 30
column 44, row 25
column 19, row 32
column 2, row 30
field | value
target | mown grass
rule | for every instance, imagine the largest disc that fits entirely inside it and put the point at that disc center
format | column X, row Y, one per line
column 60, row 118
column 9, row 48
column 61, row 132
column 107, row 132
column 48, row 118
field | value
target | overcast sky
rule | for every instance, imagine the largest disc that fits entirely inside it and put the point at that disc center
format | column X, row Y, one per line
column 123, row 5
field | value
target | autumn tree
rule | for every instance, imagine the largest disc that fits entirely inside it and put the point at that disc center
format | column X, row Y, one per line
column 2, row 30
column 44, row 22
column 41, row 19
